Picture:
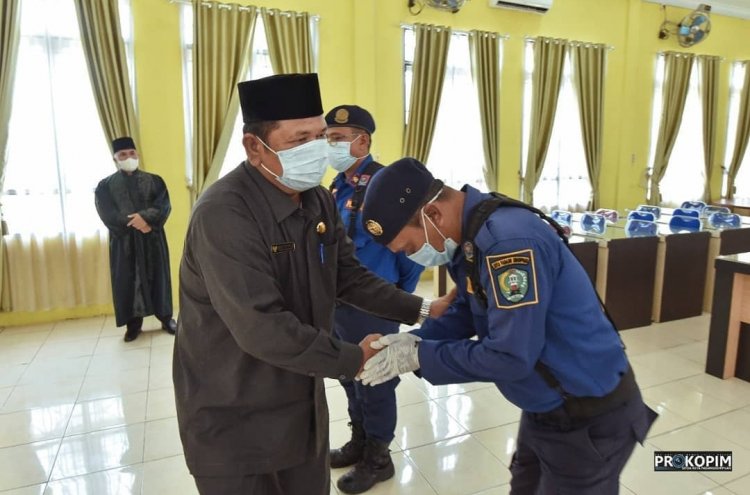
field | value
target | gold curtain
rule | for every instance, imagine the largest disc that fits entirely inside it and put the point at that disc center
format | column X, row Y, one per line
column 484, row 49
column 289, row 41
column 743, row 132
column 99, row 23
column 430, row 57
column 549, row 58
column 222, row 35
column 10, row 29
column 589, row 63
column 64, row 271
column 677, row 68
column 709, row 89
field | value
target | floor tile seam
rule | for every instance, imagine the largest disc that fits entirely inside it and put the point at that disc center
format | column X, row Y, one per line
column 93, row 472
column 421, row 473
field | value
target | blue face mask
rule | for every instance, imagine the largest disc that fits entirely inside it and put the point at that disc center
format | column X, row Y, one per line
column 303, row 166
column 429, row 256
column 340, row 155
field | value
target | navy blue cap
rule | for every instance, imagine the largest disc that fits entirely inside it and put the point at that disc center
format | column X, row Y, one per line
column 122, row 143
column 394, row 196
column 350, row 116
column 280, row 97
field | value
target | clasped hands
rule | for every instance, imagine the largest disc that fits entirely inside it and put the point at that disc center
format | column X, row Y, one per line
column 387, row 356
column 138, row 223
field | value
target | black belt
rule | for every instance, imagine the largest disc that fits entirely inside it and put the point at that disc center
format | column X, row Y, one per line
column 578, row 408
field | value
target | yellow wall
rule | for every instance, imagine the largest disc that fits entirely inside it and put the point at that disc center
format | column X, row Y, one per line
column 361, row 62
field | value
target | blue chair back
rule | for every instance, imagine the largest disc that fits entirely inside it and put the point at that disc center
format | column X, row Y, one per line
column 592, row 223
column 708, row 210
column 642, row 215
column 651, row 209
column 612, row 216
column 641, row 228
column 561, row 216
column 724, row 221
column 679, row 224
column 693, row 205
column 683, row 212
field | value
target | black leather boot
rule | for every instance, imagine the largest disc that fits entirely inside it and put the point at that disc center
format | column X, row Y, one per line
column 376, row 465
column 351, row 452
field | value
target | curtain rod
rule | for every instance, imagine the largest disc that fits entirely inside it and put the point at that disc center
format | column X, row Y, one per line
column 241, row 8
column 696, row 55
column 532, row 39
column 457, row 31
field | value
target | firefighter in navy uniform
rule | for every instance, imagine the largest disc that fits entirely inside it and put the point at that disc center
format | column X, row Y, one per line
column 372, row 410
column 542, row 335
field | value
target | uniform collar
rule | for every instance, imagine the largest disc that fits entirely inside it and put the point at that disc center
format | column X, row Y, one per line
column 280, row 203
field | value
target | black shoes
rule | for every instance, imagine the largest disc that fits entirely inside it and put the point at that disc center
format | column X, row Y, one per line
column 132, row 333
column 351, row 452
column 134, row 328
column 170, row 326
column 375, row 466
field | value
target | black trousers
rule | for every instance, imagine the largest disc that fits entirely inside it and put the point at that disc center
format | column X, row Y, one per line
column 561, row 456
column 137, row 323
column 309, row 478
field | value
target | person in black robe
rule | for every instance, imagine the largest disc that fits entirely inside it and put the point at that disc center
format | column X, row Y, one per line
column 134, row 205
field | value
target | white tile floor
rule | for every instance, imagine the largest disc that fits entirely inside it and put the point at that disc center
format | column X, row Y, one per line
column 81, row 412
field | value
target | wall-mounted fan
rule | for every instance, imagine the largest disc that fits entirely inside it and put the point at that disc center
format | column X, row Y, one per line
column 693, row 29
column 416, row 6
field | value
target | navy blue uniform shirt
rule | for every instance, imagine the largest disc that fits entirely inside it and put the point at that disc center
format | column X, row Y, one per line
column 395, row 268
column 541, row 305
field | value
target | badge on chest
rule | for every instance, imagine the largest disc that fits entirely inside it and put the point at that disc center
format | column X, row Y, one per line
column 284, row 247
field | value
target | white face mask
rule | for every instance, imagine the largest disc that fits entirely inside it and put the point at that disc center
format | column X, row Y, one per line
column 303, row 166
column 429, row 256
column 340, row 155
column 128, row 164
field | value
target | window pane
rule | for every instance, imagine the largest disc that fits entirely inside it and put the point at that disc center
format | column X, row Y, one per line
column 260, row 67
column 564, row 183
column 456, row 155
column 57, row 151
column 685, row 176
column 742, row 188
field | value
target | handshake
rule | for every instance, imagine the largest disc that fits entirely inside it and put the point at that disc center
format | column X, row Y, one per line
column 386, row 357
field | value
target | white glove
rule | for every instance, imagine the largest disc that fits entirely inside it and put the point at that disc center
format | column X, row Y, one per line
column 397, row 358
column 393, row 338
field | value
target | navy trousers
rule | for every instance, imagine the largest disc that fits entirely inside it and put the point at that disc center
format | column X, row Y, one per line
column 374, row 407
column 561, row 456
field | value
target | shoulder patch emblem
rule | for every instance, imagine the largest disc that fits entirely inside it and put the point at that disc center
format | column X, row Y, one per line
column 513, row 279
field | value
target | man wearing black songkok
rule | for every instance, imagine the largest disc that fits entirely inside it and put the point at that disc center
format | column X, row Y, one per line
column 134, row 205
column 266, row 257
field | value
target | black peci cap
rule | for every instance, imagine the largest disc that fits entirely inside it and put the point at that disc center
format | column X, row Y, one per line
column 280, row 97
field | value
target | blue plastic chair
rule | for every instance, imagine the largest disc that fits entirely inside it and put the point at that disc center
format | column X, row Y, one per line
column 708, row 210
column 724, row 221
column 641, row 228
column 680, row 224
column 683, row 212
column 651, row 209
column 642, row 215
column 562, row 217
column 693, row 205
column 612, row 216
column 591, row 223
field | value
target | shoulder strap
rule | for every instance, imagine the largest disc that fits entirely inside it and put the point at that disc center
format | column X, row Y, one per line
column 359, row 195
column 477, row 218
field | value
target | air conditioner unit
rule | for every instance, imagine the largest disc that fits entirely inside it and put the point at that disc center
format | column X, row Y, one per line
column 538, row 6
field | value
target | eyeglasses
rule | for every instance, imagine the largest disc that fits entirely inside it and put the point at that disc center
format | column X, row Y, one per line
column 340, row 138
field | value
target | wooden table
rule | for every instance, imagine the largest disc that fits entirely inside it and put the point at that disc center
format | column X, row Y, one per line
column 729, row 338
